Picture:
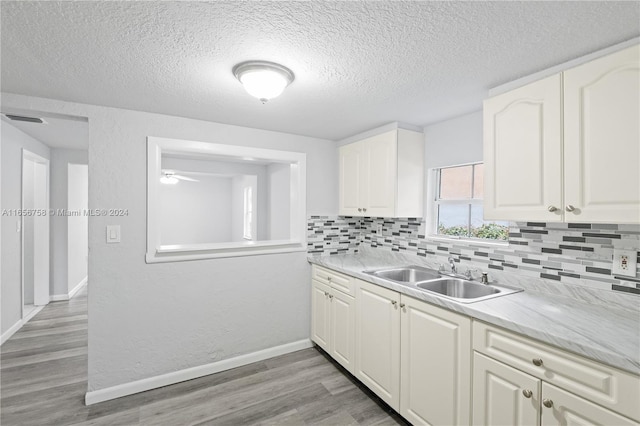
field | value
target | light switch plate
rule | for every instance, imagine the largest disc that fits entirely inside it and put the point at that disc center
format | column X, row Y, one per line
column 113, row 234
column 624, row 262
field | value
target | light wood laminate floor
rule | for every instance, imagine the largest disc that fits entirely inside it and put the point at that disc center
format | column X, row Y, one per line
column 43, row 379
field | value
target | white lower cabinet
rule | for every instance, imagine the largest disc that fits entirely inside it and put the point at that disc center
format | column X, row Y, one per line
column 560, row 407
column 416, row 357
column 333, row 323
column 503, row 395
column 343, row 316
column 518, row 381
column 378, row 341
column 320, row 315
column 435, row 364
column 420, row 360
column 499, row 394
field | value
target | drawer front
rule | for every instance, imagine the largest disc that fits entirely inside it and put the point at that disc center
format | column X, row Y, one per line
column 604, row 385
column 343, row 283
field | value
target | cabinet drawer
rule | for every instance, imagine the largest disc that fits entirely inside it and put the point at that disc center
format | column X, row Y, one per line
column 604, row 385
column 341, row 282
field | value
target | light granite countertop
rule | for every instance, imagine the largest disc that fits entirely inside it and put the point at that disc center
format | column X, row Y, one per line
column 596, row 325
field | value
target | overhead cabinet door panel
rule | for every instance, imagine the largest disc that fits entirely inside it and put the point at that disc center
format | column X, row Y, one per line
column 602, row 139
column 382, row 176
column 523, row 153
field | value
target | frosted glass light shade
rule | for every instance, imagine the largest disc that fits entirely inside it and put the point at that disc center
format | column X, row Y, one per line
column 263, row 80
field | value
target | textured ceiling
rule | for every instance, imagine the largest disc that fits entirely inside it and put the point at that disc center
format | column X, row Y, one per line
column 358, row 65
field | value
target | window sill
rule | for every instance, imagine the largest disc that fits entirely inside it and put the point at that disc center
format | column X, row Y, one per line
column 180, row 253
column 477, row 242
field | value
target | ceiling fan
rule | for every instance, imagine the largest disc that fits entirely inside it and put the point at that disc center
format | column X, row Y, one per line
column 170, row 177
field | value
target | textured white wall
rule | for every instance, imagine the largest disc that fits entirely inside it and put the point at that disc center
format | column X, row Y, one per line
column 147, row 320
column 60, row 160
column 13, row 140
column 196, row 212
column 78, row 229
column 455, row 141
column 232, row 168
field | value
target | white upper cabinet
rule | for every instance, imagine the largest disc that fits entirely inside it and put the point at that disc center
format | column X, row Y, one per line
column 602, row 139
column 383, row 175
column 523, row 153
column 567, row 148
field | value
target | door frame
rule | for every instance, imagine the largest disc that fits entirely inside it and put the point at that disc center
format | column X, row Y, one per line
column 30, row 156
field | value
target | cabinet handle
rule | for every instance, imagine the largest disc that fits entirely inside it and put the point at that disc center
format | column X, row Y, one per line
column 364, row 210
column 329, row 279
column 537, row 362
column 552, row 208
column 569, row 208
column 547, row 403
column 331, row 297
column 395, row 304
column 359, row 209
column 527, row 393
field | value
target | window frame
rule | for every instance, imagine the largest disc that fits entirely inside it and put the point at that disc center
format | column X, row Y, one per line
column 434, row 203
column 156, row 252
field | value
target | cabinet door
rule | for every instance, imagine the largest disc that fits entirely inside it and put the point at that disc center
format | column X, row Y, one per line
column 351, row 175
column 321, row 315
column 602, row 139
column 435, row 365
column 568, row 409
column 523, row 153
column 499, row 394
column 382, row 174
column 343, row 315
column 378, row 341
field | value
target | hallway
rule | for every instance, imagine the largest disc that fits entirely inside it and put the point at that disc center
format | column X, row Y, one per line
column 43, row 379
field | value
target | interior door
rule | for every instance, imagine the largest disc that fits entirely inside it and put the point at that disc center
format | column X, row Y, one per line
column 41, row 235
column 35, row 229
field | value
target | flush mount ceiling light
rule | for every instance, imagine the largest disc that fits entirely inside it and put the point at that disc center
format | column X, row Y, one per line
column 262, row 79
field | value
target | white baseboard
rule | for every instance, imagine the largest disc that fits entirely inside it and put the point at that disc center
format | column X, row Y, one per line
column 33, row 313
column 67, row 296
column 11, row 331
column 18, row 325
column 58, row 297
column 78, row 287
column 94, row 397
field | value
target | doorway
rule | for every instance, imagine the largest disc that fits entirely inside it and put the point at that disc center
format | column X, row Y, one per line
column 35, row 233
column 77, row 227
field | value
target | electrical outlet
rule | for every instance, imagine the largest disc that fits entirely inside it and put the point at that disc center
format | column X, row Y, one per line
column 379, row 229
column 624, row 262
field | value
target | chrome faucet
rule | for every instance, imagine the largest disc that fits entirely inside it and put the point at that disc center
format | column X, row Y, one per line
column 452, row 264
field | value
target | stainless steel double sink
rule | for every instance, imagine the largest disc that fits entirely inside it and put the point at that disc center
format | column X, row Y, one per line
column 442, row 283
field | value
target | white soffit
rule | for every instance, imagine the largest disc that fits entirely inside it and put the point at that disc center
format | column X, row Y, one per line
column 358, row 65
column 56, row 132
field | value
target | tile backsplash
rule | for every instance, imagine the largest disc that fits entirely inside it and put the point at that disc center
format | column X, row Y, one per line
column 574, row 253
